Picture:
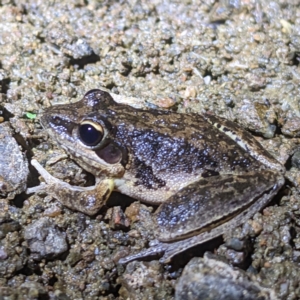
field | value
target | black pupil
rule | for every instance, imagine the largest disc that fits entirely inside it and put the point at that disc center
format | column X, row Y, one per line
column 89, row 135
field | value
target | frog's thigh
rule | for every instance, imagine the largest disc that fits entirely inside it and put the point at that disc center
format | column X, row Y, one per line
column 211, row 202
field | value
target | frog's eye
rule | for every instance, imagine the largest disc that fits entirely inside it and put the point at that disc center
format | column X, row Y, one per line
column 90, row 133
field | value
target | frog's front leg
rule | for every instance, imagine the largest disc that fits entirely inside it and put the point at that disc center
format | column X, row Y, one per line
column 87, row 200
column 208, row 208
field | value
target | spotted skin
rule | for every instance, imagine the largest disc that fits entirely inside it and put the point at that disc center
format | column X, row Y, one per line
column 207, row 173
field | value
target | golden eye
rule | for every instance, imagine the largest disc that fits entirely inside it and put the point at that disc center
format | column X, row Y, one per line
column 90, row 133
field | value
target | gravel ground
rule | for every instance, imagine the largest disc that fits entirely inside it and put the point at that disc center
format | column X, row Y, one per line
column 238, row 59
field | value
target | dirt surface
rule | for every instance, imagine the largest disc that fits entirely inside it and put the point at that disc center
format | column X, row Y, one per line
column 236, row 59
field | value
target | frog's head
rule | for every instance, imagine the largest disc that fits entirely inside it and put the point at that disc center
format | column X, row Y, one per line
column 84, row 131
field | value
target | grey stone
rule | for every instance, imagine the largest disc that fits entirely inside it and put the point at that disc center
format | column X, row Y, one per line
column 45, row 240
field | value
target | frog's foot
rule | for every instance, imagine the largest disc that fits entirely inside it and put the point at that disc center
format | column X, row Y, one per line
column 156, row 248
column 84, row 199
column 169, row 250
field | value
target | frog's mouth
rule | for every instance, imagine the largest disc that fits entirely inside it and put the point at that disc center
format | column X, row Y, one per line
column 90, row 161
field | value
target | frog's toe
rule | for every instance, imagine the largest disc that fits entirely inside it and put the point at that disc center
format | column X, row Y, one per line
column 157, row 249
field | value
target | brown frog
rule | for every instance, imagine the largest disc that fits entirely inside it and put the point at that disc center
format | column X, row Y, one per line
column 208, row 174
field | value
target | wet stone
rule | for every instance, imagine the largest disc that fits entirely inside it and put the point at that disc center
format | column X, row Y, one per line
column 236, row 251
column 296, row 160
column 207, row 278
column 117, row 218
column 33, row 290
column 13, row 255
column 3, row 254
column 236, row 258
column 73, row 258
column 259, row 117
column 8, row 225
column 235, row 244
column 144, row 280
column 27, row 290
column 283, row 277
column 45, row 240
column 67, row 42
column 13, row 165
column 292, row 127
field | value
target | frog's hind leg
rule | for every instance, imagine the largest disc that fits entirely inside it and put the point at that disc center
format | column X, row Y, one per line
column 208, row 208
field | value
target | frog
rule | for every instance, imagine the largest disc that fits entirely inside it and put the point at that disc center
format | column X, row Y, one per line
column 206, row 174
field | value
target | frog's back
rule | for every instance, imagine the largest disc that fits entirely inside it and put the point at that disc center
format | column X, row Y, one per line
column 173, row 142
column 162, row 141
column 150, row 153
